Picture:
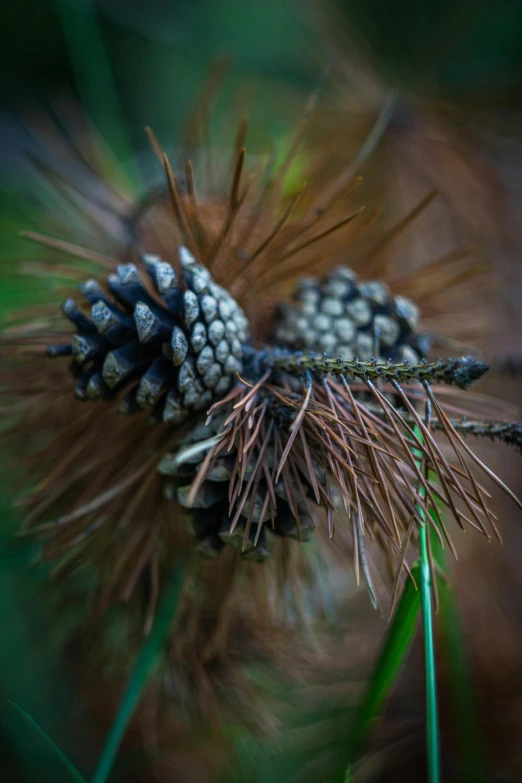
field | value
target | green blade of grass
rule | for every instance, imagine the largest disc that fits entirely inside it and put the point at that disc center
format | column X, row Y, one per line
column 391, row 658
column 140, row 674
column 56, row 750
column 432, row 731
column 472, row 760
column 94, row 77
column 432, row 734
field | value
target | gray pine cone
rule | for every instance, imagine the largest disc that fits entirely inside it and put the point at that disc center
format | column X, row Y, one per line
column 341, row 316
column 176, row 350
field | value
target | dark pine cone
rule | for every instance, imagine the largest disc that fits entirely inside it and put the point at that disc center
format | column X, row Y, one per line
column 209, row 519
column 179, row 351
column 341, row 316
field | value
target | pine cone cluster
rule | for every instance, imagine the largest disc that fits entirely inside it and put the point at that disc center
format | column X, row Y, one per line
column 174, row 347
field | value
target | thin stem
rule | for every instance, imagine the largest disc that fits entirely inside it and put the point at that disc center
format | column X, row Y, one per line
column 508, row 432
column 432, row 735
column 426, row 587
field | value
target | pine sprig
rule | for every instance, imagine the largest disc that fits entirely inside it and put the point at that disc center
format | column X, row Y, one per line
column 461, row 372
column 507, row 432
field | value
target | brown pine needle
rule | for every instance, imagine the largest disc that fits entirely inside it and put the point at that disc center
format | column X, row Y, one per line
column 98, row 502
column 375, row 464
column 74, row 250
column 312, row 217
column 155, row 145
column 402, row 225
column 323, row 234
column 473, row 456
column 239, row 141
column 198, row 230
column 249, row 485
column 367, row 148
column 294, row 430
column 279, row 226
column 400, row 564
column 232, row 215
column 177, row 204
column 358, row 544
column 311, row 472
column 236, row 180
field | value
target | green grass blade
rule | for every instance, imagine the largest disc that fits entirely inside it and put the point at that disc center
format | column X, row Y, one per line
column 141, row 671
column 432, row 730
column 94, row 77
column 56, row 750
column 432, row 733
column 391, row 658
column 468, row 739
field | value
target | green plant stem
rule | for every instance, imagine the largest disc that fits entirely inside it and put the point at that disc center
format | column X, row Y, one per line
column 432, row 734
column 141, row 671
column 472, row 760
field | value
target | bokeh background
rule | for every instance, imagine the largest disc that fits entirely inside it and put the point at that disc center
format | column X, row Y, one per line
column 457, row 68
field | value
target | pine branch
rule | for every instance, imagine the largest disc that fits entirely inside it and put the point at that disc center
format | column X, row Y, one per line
column 507, row 432
column 461, row 372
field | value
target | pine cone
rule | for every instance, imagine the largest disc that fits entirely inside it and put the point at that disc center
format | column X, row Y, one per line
column 208, row 519
column 341, row 316
column 182, row 349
